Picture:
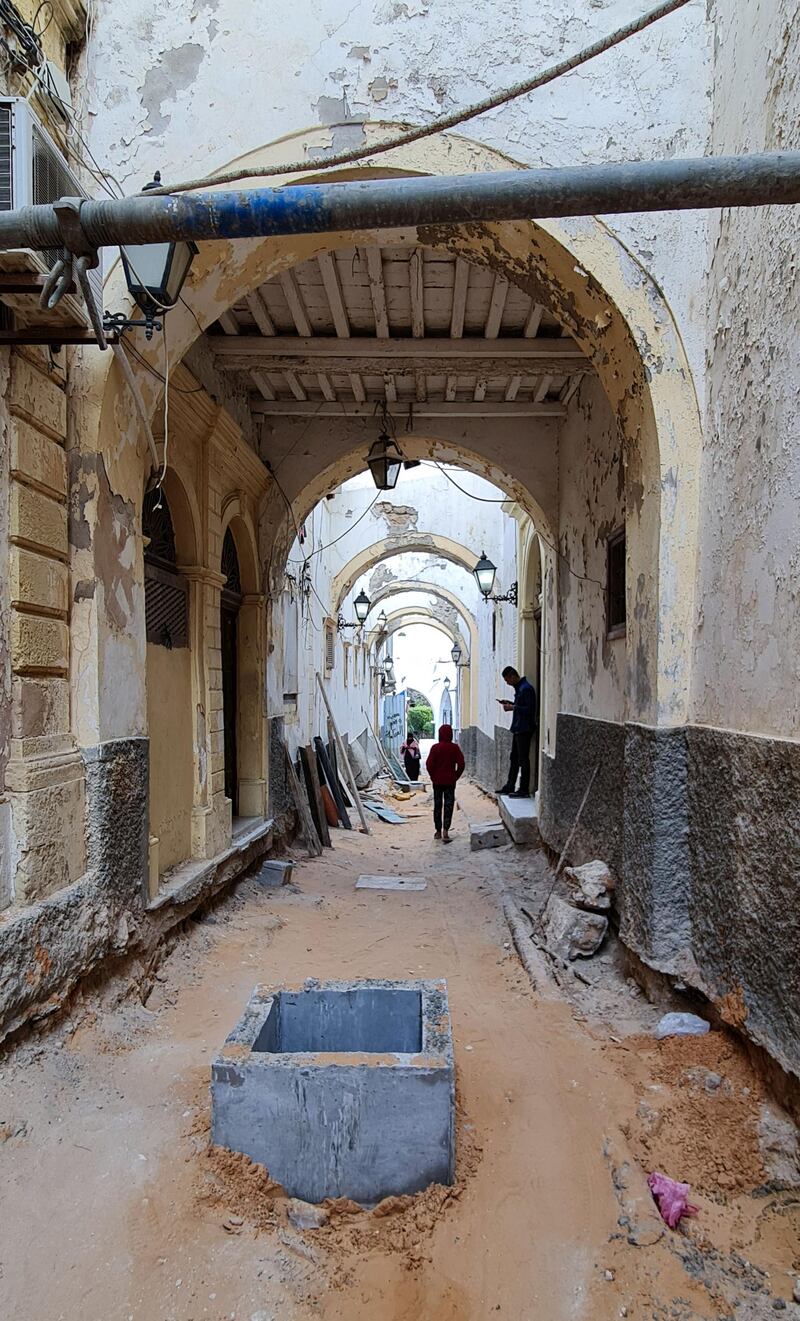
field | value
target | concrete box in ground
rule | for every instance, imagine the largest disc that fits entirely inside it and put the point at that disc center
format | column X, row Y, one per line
column 341, row 1089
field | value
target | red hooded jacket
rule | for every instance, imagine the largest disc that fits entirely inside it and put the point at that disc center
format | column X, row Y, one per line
column 445, row 762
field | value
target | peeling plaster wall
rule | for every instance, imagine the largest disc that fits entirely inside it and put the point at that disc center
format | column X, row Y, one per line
column 747, row 674
column 591, row 506
column 230, row 389
column 163, row 97
column 5, row 638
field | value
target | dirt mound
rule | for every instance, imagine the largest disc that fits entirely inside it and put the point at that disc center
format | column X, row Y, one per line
column 697, row 1116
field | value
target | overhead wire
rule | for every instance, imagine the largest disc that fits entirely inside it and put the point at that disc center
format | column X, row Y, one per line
column 443, row 122
column 583, row 577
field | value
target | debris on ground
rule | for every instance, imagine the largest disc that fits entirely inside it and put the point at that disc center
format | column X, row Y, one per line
column 671, row 1198
column 681, row 1025
column 572, row 933
column 592, row 885
column 305, row 1215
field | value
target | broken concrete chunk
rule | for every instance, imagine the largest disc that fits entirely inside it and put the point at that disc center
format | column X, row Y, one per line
column 592, row 884
column 305, row 1215
column 487, row 835
column 571, row 933
column 274, row 871
column 681, row 1025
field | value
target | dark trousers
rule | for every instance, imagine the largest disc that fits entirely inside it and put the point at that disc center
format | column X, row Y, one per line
column 444, row 800
column 520, row 763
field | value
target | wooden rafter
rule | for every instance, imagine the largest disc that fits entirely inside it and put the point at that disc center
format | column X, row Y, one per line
column 460, row 285
column 377, row 290
column 333, row 289
column 263, row 385
column 259, row 313
column 229, row 323
column 496, row 307
column 533, row 321
column 297, row 307
column 416, row 284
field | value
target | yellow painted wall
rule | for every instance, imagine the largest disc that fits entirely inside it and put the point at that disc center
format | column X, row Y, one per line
column 169, row 724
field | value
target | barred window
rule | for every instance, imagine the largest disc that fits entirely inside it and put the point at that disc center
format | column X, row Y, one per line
column 166, row 598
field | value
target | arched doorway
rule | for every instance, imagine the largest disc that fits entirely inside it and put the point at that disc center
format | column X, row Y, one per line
column 230, row 605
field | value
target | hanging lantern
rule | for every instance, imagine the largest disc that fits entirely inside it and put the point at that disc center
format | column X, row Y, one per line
column 456, row 654
column 155, row 272
column 384, row 462
column 361, row 606
column 484, row 572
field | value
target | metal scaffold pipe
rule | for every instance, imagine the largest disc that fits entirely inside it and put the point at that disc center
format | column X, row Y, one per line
column 673, row 185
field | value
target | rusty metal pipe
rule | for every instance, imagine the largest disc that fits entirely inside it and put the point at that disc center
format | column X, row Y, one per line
column 674, row 185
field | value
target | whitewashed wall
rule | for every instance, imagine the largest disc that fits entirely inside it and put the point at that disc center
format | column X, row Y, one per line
column 190, row 87
column 746, row 668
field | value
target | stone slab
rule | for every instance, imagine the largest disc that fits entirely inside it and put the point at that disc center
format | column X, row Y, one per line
column 487, row 835
column 341, row 1089
column 391, row 883
column 520, row 819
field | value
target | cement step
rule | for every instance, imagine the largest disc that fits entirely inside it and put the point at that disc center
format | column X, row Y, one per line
column 520, row 818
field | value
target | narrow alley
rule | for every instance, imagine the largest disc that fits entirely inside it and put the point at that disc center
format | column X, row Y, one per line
column 399, row 637
column 559, row 1101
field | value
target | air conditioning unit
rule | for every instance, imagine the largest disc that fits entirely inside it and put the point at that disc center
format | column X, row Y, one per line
column 33, row 171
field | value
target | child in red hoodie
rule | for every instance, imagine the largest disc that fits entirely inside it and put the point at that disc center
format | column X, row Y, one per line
column 445, row 765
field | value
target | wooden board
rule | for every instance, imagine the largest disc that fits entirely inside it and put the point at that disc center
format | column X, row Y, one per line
column 301, row 806
column 333, row 782
column 308, row 761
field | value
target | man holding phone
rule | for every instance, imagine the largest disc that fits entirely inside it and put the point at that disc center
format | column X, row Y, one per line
column 523, row 727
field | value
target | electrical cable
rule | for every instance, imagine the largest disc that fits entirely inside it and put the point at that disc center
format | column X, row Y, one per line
column 582, row 577
column 344, row 534
column 160, row 482
column 444, row 122
column 131, row 348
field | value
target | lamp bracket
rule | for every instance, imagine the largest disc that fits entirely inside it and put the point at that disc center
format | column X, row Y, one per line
column 117, row 321
column 510, row 595
column 342, row 624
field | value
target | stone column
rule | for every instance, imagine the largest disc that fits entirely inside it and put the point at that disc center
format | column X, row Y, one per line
column 44, row 774
column 251, row 716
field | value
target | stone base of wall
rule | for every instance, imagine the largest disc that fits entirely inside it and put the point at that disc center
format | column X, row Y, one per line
column 702, row 827
column 582, row 744
column 486, row 757
column 48, row 947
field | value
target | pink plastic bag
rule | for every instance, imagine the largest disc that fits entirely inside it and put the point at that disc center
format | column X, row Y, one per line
column 671, row 1198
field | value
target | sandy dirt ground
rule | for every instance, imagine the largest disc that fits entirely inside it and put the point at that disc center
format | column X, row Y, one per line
column 113, row 1206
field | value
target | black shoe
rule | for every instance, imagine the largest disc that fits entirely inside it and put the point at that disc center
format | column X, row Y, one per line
column 506, row 789
column 519, row 793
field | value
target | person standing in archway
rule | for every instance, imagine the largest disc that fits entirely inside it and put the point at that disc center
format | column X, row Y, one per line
column 523, row 728
column 412, row 756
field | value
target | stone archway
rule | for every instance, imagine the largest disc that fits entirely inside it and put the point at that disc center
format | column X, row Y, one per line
column 614, row 311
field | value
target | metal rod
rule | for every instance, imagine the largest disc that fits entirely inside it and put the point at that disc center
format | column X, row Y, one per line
column 673, row 185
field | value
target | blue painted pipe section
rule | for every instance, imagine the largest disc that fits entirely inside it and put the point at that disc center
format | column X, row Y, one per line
column 722, row 181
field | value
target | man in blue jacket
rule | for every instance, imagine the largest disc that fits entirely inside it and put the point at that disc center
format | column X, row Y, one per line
column 523, row 727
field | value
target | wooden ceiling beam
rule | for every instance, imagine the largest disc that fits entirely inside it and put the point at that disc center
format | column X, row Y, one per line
column 436, row 408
